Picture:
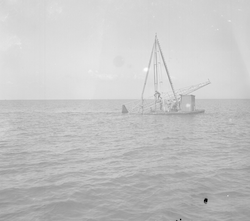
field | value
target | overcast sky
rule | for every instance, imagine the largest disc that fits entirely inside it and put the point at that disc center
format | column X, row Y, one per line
column 94, row 49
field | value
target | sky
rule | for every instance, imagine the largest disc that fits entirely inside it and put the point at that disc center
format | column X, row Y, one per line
column 99, row 49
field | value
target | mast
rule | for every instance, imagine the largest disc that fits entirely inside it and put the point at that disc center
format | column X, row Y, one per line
column 155, row 67
column 170, row 81
column 146, row 78
column 156, row 77
column 154, row 53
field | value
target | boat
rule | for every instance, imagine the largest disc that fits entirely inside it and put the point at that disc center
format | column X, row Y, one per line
column 175, row 102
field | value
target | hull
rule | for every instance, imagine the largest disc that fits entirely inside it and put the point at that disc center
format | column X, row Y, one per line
column 176, row 113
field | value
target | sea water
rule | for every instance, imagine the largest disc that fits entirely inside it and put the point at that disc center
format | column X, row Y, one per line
column 84, row 160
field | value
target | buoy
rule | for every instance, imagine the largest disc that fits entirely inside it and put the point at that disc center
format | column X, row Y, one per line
column 124, row 109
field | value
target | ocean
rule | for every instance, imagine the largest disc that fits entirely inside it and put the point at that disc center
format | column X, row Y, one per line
column 84, row 160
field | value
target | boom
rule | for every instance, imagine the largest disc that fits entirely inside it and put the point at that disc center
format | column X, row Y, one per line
column 185, row 90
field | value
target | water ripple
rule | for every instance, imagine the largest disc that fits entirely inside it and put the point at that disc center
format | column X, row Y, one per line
column 63, row 160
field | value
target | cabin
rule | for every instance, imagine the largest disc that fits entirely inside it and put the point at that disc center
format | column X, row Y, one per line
column 187, row 103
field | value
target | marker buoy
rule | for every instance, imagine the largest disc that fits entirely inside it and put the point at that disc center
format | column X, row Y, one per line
column 124, row 109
